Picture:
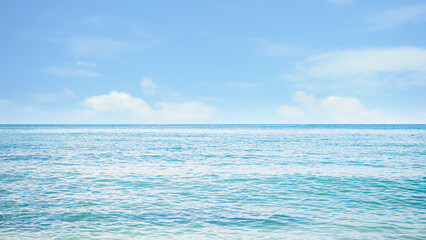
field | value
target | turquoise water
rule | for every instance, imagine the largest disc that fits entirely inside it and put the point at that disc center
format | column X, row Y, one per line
column 212, row 181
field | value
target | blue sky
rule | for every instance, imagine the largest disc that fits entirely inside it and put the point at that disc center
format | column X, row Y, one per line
column 258, row 61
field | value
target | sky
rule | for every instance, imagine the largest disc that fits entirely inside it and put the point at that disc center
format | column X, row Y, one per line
column 213, row 61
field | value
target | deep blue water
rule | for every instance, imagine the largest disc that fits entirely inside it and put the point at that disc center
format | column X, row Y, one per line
column 212, row 181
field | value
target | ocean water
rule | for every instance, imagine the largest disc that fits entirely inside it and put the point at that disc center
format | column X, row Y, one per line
column 212, row 181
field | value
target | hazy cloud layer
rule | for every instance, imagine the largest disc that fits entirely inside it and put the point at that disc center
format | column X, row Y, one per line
column 79, row 69
column 359, row 69
column 392, row 18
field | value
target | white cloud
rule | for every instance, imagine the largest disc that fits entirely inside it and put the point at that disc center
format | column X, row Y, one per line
column 397, row 17
column 308, row 101
column 340, row 2
column 148, row 86
column 119, row 102
column 71, row 72
column 363, row 68
column 139, row 109
column 351, row 110
column 333, row 109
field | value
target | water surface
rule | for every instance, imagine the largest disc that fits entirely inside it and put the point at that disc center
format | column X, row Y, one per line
column 212, row 181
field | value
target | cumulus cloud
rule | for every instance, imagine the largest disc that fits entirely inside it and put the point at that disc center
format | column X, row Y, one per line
column 120, row 102
column 307, row 101
column 393, row 18
column 351, row 110
column 333, row 109
column 361, row 69
column 148, row 86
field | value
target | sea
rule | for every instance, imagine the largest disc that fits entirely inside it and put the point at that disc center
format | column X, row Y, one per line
column 212, row 182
